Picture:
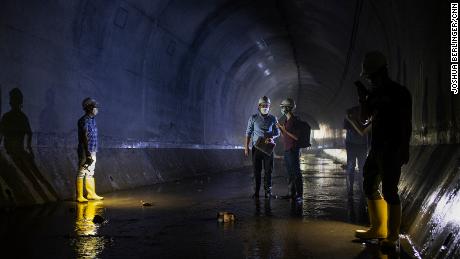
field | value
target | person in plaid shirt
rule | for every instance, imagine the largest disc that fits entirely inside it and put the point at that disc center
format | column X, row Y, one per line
column 87, row 148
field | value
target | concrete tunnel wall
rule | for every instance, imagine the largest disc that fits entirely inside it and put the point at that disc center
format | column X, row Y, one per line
column 177, row 80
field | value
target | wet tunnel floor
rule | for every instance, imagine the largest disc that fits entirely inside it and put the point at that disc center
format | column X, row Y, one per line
column 181, row 221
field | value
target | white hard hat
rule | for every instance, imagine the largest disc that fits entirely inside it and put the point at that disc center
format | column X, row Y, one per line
column 288, row 102
column 264, row 100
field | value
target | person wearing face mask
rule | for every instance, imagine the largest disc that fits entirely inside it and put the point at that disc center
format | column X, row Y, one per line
column 388, row 106
column 87, row 148
column 261, row 125
column 291, row 150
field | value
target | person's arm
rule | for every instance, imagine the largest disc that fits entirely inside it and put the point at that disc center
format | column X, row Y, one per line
column 286, row 133
column 364, row 99
column 276, row 131
column 291, row 135
column 249, row 131
column 85, row 139
column 361, row 129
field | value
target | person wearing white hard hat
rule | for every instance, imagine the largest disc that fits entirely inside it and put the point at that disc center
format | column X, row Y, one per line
column 87, row 148
column 388, row 106
column 290, row 135
column 261, row 125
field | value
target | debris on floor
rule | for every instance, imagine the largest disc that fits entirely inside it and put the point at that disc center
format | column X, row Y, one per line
column 225, row 217
column 146, row 204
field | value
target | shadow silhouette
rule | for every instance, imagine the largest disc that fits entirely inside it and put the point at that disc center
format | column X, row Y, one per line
column 15, row 129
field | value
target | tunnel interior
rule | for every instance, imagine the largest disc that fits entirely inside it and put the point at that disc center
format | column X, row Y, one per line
column 178, row 80
column 173, row 69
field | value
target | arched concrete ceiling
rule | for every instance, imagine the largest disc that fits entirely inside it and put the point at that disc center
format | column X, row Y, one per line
column 192, row 71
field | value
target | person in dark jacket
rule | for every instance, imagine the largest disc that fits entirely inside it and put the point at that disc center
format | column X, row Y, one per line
column 388, row 105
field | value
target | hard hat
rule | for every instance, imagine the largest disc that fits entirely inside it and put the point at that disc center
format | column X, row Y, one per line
column 264, row 100
column 373, row 62
column 89, row 103
column 288, row 102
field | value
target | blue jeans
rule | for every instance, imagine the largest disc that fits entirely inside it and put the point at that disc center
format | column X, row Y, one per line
column 355, row 152
column 292, row 162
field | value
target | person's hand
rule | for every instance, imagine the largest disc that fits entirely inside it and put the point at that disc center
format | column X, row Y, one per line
column 269, row 140
column 89, row 161
column 246, row 151
column 281, row 127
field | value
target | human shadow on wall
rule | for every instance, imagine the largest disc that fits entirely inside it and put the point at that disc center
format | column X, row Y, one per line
column 14, row 129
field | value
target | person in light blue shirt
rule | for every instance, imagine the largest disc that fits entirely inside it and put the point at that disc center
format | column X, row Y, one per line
column 261, row 125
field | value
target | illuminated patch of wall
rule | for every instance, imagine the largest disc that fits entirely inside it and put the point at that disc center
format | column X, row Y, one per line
column 326, row 137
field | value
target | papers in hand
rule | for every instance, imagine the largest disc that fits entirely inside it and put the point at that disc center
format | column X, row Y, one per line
column 266, row 148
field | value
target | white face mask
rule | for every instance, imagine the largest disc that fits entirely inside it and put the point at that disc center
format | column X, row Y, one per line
column 95, row 111
column 264, row 111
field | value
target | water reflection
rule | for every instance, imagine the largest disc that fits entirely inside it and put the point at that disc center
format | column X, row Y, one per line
column 87, row 243
column 260, row 237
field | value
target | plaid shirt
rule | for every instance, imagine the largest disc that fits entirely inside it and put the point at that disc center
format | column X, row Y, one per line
column 87, row 126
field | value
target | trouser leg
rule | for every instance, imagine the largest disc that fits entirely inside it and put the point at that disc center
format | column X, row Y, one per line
column 290, row 176
column 268, row 169
column 81, row 165
column 372, row 176
column 350, row 171
column 361, row 155
column 390, row 180
column 257, row 168
column 80, row 178
column 297, row 173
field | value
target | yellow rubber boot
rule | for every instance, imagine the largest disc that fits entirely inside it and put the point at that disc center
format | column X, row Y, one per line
column 378, row 218
column 91, row 189
column 394, row 223
column 80, row 197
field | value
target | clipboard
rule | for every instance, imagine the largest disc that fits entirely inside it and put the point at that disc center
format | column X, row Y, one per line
column 266, row 148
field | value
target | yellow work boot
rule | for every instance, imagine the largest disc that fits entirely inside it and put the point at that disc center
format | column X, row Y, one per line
column 91, row 189
column 378, row 217
column 80, row 197
column 394, row 222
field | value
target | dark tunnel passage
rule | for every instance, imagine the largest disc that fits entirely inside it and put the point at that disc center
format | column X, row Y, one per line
column 177, row 80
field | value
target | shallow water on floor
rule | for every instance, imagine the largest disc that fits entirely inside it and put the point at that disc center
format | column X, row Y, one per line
column 181, row 221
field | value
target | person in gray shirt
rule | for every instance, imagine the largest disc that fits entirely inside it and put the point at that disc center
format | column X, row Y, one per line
column 356, row 147
column 261, row 125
